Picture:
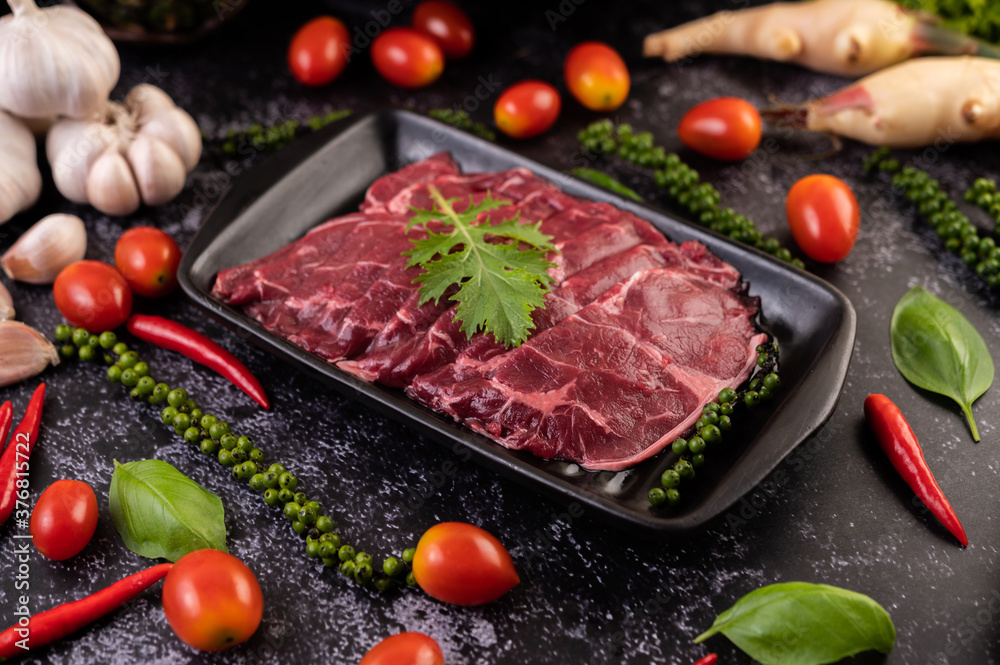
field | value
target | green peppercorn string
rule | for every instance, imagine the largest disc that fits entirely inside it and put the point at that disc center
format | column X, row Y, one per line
column 710, row 429
column 213, row 437
column 681, row 182
column 273, row 137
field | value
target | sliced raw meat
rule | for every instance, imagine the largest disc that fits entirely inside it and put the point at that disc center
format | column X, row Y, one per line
column 389, row 186
column 616, row 382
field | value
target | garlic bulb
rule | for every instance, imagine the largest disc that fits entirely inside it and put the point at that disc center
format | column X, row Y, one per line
column 54, row 61
column 25, row 352
column 20, row 181
column 45, row 249
column 137, row 152
column 6, row 304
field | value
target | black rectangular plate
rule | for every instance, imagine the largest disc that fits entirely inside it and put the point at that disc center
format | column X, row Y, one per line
column 326, row 174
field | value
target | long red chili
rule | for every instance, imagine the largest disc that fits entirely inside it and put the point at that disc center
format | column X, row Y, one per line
column 710, row 659
column 51, row 625
column 6, row 416
column 14, row 462
column 176, row 337
column 900, row 444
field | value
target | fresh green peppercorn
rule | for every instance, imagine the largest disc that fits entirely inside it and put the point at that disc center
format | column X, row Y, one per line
column 128, row 360
column 725, row 424
column 271, row 497
column 177, row 397
column 207, row 421
column 228, row 441
column 277, row 468
column 245, row 444
column 64, row 333
column 257, row 483
column 87, row 354
column 299, row 527
column 159, row 394
column 145, row 385
column 347, row 568
column 711, row 407
column 141, row 369
column 312, row 549
column 181, row 421
column 697, row 460
column 119, row 349
column 196, row 415
column 168, row 414
column 288, row 481
column 673, row 497
column 324, row 524
column 727, row 395
column 684, row 469
column 307, row 515
column 656, row 496
column 710, row 433
column 285, row 495
column 752, row 398
column 291, row 510
column 226, row 457
column 67, row 351
column 238, row 456
column 725, row 410
column 300, row 497
column 696, row 445
column 772, row 381
column 135, row 395
column 680, row 446
column 115, row 374
column 129, row 378
column 192, row 435
column 80, row 337
column 382, row 584
column 411, row 580
column 346, row 553
column 209, row 446
column 257, row 455
column 249, row 469
column 765, row 394
column 270, row 480
column 710, row 418
column 670, row 478
column 392, row 566
column 218, row 430
column 408, row 554
column 362, row 557
column 107, row 340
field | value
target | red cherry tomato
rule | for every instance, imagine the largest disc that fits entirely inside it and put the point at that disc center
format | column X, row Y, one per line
column 148, row 258
column 212, row 600
column 726, row 128
column 405, row 649
column 597, row 76
column 92, row 295
column 407, row 58
column 448, row 25
column 462, row 564
column 64, row 519
column 824, row 217
column 319, row 51
column 527, row 109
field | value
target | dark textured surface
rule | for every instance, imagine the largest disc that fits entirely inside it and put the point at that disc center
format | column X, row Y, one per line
column 834, row 512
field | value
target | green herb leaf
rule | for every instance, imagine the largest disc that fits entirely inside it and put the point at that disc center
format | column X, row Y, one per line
column 602, row 179
column 161, row 513
column 797, row 623
column 499, row 285
column 937, row 349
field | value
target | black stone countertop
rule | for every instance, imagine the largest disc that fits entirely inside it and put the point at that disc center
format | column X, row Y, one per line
column 834, row 511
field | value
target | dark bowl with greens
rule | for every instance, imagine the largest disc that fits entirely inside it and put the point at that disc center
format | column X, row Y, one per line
column 161, row 21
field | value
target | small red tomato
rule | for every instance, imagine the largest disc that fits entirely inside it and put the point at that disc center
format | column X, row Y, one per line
column 597, row 76
column 407, row 58
column 726, row 128
column 824, row 217
column 448, row 25
column 148, row 258
column 319, row 51
column 462, row 564
column 212, row 600
column 92, row 295
column 527, row 109
column 64, row 519
column 405, row 649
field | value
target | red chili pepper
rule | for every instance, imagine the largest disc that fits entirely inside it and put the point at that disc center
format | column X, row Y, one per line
column 14, row 462
column 900, row 444
column 6, row 416
column 176, row 337
column 710, row 659
column 51, row 625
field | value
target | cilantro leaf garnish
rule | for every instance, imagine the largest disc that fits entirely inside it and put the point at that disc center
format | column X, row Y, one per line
column 499, row 283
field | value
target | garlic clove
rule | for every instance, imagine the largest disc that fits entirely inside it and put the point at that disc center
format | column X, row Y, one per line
column 25, row 352
column 158, row 170
column 6, row 304
column 147, row 100
column 54, row 61
column 45, row 249
column 111, row 188
column 20, row 180
column 72, row 147
column 178, row 130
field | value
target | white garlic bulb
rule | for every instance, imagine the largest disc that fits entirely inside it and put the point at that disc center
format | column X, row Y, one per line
column 45, row 249
column 137, row 152
column 54, row 61
column 6, row 304
column 25, row 352
column 20, row 181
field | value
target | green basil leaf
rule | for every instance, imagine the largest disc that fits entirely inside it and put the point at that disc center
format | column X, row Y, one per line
column 797, row 623
column 937, row 349
column 161, row 513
